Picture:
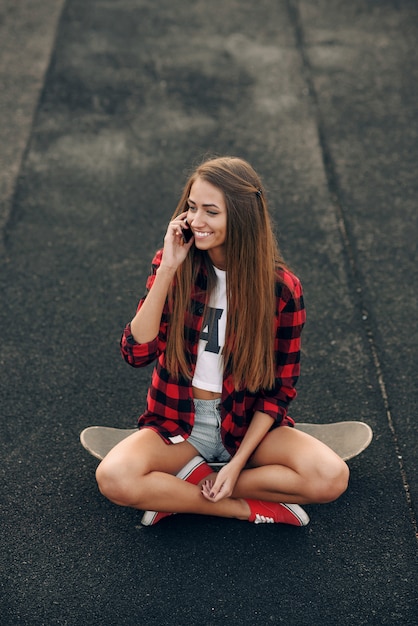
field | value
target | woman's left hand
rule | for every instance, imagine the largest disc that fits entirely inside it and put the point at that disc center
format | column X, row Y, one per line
column 224, row 484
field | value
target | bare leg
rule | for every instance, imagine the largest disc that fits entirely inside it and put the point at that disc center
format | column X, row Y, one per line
column 140, row 472
column 291, row 466
column 288, row 466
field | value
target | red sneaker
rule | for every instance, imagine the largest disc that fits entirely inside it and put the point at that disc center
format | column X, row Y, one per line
column 193, row 472
column 276, row 513
column 153, row 517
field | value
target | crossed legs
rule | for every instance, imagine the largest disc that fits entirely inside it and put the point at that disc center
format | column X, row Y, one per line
column 288, row 466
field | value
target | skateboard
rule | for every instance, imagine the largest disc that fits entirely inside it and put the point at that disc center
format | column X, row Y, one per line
column 347, row 439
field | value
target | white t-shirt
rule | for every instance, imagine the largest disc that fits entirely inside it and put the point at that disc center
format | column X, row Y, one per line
column 209, row 367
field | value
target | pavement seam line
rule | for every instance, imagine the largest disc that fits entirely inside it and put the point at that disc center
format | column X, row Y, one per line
column 6, row 219
column 348, row 246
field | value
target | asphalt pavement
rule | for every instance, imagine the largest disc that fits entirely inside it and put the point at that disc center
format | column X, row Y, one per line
column 104, row 109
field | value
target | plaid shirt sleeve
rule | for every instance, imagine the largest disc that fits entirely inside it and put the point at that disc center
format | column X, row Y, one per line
column 141, row 354
column 289, row 323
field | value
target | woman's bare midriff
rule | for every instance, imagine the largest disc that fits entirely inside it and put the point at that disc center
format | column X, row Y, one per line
column 203, row 394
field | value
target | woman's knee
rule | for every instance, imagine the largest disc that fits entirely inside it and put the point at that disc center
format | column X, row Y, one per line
column 114, row 483
column 119, row 475
column 332, row 481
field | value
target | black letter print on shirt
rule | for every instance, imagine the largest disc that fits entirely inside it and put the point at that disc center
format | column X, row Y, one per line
column 210, row 331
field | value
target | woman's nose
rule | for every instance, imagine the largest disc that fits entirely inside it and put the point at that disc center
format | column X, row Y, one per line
column 197, row 218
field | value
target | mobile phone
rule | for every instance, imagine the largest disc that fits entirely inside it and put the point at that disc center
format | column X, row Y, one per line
column 187, row 233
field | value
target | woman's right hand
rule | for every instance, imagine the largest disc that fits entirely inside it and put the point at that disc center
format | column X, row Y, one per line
column 175, row 248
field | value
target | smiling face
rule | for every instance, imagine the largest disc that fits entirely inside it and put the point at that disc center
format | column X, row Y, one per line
column 206, row 217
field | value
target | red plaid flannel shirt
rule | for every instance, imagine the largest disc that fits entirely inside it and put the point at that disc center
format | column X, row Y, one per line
column 170, row 408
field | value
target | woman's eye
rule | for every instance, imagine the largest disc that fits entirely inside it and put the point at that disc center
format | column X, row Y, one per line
column 208, row 211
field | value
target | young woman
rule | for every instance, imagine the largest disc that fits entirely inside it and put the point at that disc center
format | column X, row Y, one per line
column 222, row 317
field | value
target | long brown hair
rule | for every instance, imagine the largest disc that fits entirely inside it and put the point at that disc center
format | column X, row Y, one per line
column 252, row 260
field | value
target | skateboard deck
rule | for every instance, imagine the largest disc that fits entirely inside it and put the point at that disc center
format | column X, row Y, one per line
column 347, row 439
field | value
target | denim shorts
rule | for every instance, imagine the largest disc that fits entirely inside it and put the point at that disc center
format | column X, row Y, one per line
column 206, row 433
